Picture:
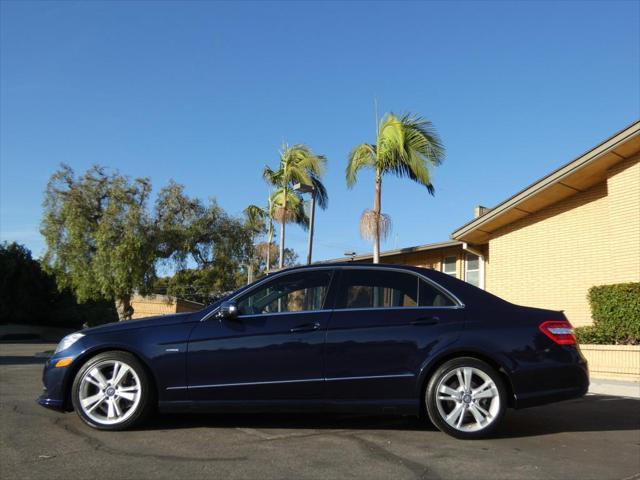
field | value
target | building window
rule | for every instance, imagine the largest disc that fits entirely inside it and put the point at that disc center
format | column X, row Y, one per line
column 472, row 270
column 449, row 266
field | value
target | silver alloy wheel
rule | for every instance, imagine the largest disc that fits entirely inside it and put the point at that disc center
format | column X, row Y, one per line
column 467, row 399
column 110, row 392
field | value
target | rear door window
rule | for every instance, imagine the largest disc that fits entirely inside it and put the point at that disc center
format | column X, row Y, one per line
column 430, row 296
column 368, row 288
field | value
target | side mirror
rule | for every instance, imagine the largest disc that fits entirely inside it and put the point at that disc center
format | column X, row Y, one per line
column 228, row 310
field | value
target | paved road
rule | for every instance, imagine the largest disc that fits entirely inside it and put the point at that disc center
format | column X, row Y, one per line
column 596, row 437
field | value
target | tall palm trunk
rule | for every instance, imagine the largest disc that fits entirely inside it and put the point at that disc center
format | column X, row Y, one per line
column 283, row 221
column 377, row 208
column 269, row 242
column 251, row 260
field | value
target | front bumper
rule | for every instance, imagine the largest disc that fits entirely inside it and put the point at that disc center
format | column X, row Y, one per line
column 57, row 381
column 52, row 403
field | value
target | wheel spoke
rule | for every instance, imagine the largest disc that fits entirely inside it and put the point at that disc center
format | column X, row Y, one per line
column 122, row 372
column 127, row 395
column 481, row 388
column 492, row 392
column 90, row 403
column 483, row 411
column 111, row 411
column 114, row 373
column 96, row 375
column 460, row 379
column 116, row 407
column 467, row 378
column 448, row 391
column 461, row 417
column 454, row 415
column 476, row 414
column 92, row 381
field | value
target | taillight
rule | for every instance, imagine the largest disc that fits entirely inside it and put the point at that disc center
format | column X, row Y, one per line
column 560, row 331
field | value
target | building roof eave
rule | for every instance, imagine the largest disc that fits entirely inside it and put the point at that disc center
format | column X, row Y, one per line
column 567, row 180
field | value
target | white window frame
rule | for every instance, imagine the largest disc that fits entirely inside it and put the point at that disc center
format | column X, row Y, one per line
column 455, row 266
column 480, row 269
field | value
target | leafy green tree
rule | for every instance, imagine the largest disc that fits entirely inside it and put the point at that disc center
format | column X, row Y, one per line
column 190, row 233
column 99, row 235
column 103, row 242
column 290, row 257
column 406, row 146
column 298, row 164
column 29, row 295
column 25, row 290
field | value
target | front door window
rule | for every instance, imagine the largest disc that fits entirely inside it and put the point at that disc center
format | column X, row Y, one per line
column 295, row 292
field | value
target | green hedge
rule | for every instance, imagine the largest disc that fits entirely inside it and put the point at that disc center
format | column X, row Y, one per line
column 616, row 315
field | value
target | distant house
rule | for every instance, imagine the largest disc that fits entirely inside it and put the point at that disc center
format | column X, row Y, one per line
column 545, row 246
column 154, row 305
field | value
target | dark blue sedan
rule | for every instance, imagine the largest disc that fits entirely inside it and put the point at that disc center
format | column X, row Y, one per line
column 336, row 337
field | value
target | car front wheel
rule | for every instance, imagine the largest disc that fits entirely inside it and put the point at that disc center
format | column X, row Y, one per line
column 466, row 398
column 111, row 391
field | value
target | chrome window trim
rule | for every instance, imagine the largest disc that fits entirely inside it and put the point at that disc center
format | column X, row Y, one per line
column 437, row 286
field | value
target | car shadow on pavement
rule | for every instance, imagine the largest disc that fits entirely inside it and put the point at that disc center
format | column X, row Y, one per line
column 592, row 413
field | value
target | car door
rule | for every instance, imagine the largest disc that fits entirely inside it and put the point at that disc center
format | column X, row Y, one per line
column 385, row 325
column 272, row 351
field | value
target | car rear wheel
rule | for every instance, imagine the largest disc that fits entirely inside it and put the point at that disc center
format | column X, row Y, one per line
column 466, row 398
column 111, row 391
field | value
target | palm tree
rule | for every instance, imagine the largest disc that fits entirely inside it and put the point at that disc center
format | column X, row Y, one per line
column 255, row 222
column 298, row 164
column 408, row 146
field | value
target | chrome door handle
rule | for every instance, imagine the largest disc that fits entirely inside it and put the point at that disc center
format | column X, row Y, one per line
column 307, row 327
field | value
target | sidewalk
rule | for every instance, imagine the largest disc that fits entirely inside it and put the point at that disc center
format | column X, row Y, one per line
column 618, row 388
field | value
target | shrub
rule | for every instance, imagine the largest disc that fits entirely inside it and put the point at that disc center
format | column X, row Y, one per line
column 616, row 315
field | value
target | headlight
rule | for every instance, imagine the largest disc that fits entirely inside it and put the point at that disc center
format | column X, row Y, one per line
column 67, row 341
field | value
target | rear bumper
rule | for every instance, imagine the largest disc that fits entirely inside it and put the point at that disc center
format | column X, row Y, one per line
column 554, row 385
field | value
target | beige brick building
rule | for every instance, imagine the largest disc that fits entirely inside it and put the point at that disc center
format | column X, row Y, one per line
column 154, row 305
column 548, row 244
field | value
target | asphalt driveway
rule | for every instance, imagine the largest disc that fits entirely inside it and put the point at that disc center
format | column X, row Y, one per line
column 596, row 437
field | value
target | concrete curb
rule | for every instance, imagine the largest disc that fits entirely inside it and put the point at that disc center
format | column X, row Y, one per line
column 618, row 388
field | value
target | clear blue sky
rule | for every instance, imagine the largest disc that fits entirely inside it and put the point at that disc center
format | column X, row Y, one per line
column 205, row 92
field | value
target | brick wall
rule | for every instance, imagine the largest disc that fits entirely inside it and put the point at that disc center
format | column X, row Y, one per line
column 551, row 258
column 155, row 305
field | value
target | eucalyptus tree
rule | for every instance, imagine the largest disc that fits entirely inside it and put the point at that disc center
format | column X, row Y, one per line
column 406, row 146
column 99, row 235
column 298, row 164
column 104, row 243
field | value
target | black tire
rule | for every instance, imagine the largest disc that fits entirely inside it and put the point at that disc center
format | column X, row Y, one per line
column 139, row 409
column 448, row 370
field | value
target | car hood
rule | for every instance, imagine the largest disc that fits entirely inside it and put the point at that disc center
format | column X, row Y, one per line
column 148, row 322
